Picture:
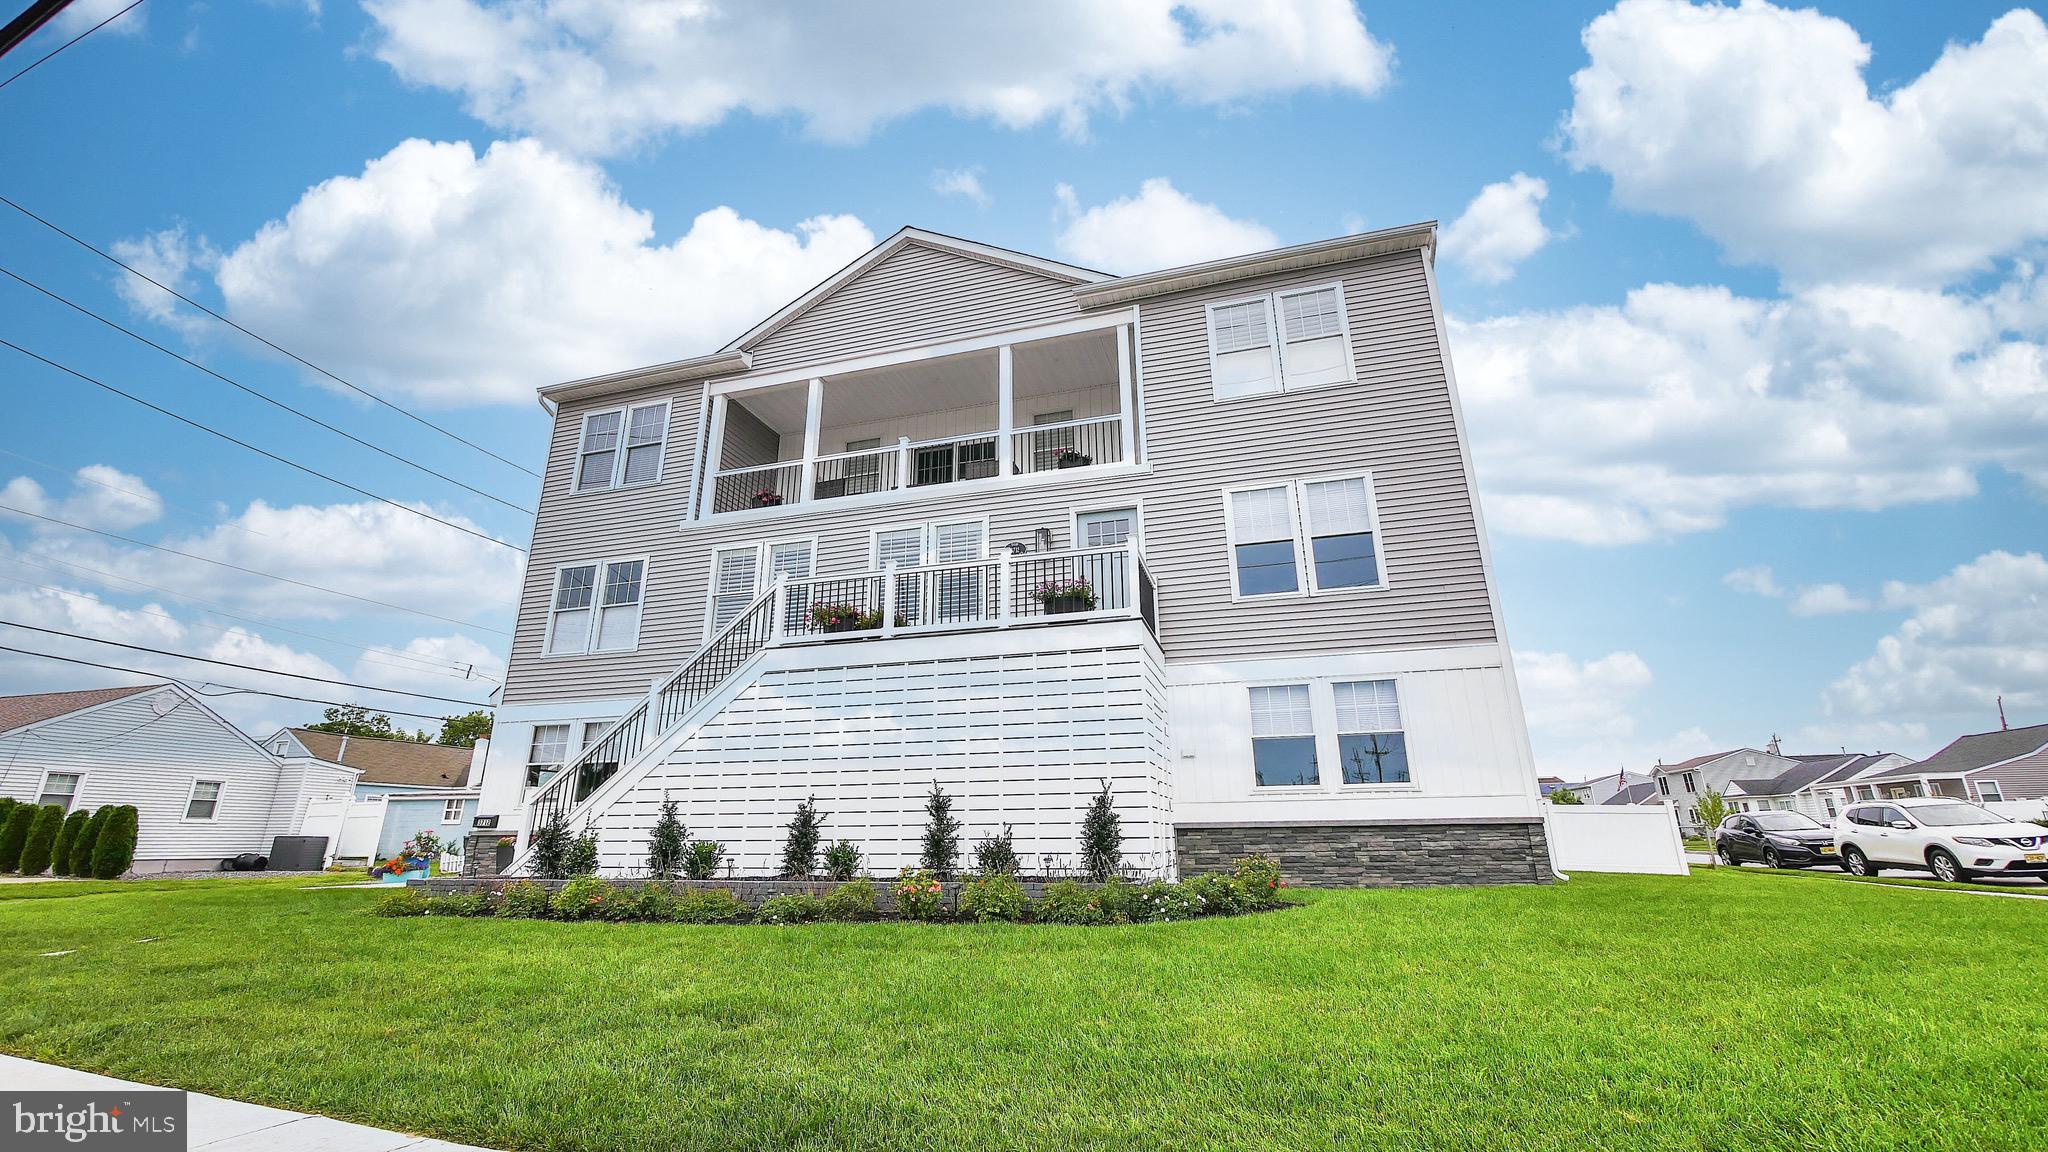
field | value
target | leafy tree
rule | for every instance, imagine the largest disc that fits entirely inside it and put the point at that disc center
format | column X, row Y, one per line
column 550, row 848
column 666, row 847
column 465, row 730
column 356, row 720
column 800, row 845
column 67, row 835
column 941, row 835
column 1102, row 837
column 1566, row 796
column 582, row 859
column 42, row 840
column 81, row 848
column 116, row 848
column 1712, row 808
column 14, row 834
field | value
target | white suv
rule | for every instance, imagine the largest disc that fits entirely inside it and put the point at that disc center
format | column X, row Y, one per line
column 1951, row 838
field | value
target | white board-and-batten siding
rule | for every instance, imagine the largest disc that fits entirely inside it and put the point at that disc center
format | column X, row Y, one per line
column 128, row 753
column 1395, row 420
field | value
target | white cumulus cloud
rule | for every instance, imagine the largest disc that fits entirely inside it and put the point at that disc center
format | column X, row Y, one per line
column 1499, row 229
column 599, row 76
column 1756, row 580
column 1827, row 600
column 1583, row 715
column 101, row 496
column 1158, row 228
column 962, row 182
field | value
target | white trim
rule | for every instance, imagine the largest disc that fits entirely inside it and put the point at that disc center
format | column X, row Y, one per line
column 617, row 480
column 764, row 553
column 1230, row 539
column 928, row 547
column 460, row 803
column 1136, row 506
column 43, row 785
column 916, row 494
column 1978, row 785
column 1341, row 249
column 699, row 457
column 1372, row 515
column 602, row 566
column 751, row 383
column 220, row 795
column 1276, row 321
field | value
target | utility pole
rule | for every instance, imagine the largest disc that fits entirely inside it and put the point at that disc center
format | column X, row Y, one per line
column 23, row 26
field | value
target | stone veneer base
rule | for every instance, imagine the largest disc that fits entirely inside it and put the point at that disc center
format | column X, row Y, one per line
column 1377, row 855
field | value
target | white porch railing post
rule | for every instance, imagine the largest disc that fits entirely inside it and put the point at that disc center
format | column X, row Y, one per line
column 903, row 461
column 1125, row 398
column 814, row 407
column 889, row 602
column 1005, row 393
column 777, row 622
column 1130, row 575
column 1006, row 562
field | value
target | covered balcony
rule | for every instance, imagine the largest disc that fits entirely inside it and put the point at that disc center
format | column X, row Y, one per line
column 1009, row 409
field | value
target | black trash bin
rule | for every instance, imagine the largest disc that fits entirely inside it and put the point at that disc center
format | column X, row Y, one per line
column 298, row 853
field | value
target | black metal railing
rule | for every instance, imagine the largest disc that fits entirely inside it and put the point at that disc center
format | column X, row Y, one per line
column 1069, row 444
column 854, row 473
column 764, row 486
column 1051, row 584
column 824, row 607
column 949, row 461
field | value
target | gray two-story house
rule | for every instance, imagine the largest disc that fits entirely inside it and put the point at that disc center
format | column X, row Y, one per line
column 965, row 517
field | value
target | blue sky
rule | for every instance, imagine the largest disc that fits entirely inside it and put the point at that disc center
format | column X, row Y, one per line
column 1744, row 302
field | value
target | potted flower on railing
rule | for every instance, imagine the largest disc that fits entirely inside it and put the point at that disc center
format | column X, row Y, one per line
column 1059, row 596
column 1071, row 458
column 840, row 618
column 766, row 498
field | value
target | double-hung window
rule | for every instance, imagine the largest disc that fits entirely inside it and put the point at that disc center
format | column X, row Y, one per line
column 621, row 447
column 596, row 607
column 204, row 801
column 1279, row 341
column 1370, row 743
column 544, row 757
column 451, row 811
column 1303, row 536
column 956, row 593
column 1988, row 792
column 59, row 788
column 739, row 575
column 1283, row 737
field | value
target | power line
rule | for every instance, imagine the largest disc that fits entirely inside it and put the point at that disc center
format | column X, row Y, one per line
column 272, row 345
column 70, row 474
column 70, row 42
column 263, row 396
column 245, row 667
column 251, row 571
column 226, row 689
column 289, row 463
column 454, row 672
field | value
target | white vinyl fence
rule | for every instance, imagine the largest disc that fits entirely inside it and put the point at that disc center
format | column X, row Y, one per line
column 351, row 826
column 2020, row 809
column 1614, row 838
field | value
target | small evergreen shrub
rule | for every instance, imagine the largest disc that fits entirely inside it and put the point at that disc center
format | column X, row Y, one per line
column 1102, row 837
column 403, row 902
column 67, row 835
column 665, row 847
column 1219, row 895
column 995, row 896
column 941, row 836
column 525, row 900
column 1259, row 876
column 81, row 849
column 919, row 895
column 582, row 858
column 853, row 901
column 7, row 806
column 550, row 849
column 115, row 850
column 580, row 898
column 14, row 835
column 42, row 840
column 800, row 845
column 996, row 855
column 1067, row 902
column 702, row 860
column 1162, row 901
column 1118, row 900
column 791, row 908
column 842, row 861
column 716, row 906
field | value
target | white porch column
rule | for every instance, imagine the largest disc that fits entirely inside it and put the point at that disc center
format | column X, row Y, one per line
column 814, row 410
column 1005, row 396
column 711, row 454
column 1127, row 427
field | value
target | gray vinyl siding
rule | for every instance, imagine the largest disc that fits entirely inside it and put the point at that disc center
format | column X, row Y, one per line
column 919, row 295
column 129, row 754
column 2024, row 779
column 748, row 441
column 1396, row 421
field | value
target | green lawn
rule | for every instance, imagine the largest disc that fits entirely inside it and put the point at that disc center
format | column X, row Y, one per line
column 1715, row 1012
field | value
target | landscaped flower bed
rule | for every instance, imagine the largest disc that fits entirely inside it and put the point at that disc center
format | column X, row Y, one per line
column 1255, row 886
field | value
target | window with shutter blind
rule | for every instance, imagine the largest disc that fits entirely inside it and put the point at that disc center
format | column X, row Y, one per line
column 621, row 447
column 1283, row 737
column 1312, row 348
column 1324, row 526
column 1263, row 556
column 735, row 574
column 618, row 618
column 569, row 615
column 1340, row 535
column 1370, row 744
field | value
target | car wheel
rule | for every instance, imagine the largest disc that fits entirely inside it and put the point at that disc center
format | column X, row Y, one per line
column 1946, row 867
column 1772, row 859
column 1856, row 862
column 1727, row 857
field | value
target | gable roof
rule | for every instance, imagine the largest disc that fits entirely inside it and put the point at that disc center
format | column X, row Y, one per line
column 21, row 711
column 905, row 237
column 1633, row 794
column 1108, row 291
column 1688, row 765
column 1977, row 750
column 389, row 761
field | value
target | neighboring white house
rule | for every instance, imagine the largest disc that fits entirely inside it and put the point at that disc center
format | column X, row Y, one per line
column 203, row 789
column 1819, row 786
column 401, row 787
column 1679, row 786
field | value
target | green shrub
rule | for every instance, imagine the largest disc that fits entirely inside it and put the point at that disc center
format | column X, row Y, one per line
column 42, row 840
column 800, row 845
column 653, row 902
column 549, row 847
column 67, row 835
column 620, row 903
column 1118, row 899
column 402, row 902
column 1259, row 876
column 1219, row 895
column 666, row 846
column 842, row 861
column 525, row 900
column 715, row 906
column 1162, row 901
column 702, row 859
column 997, row 855
column 791, row 908
column 1102, row 837
column 580, row 899
column 115, row 850
column 14, row 834
column 1067, row 902
column 7, row 806
column 81, row 848
column 919, row 895
column 582, row 857
column 941, row 835
column 996, row 896
column 852, row 901
column 457, row 904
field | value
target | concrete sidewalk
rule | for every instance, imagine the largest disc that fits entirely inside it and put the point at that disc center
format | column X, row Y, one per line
column 219, row 1125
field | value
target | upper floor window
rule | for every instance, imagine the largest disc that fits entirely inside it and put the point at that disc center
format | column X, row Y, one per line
column 1692, row 783
column 589, row 614
column 621, row 447
column 1664, row 785
column 1304, row 535
column 1298, row 338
